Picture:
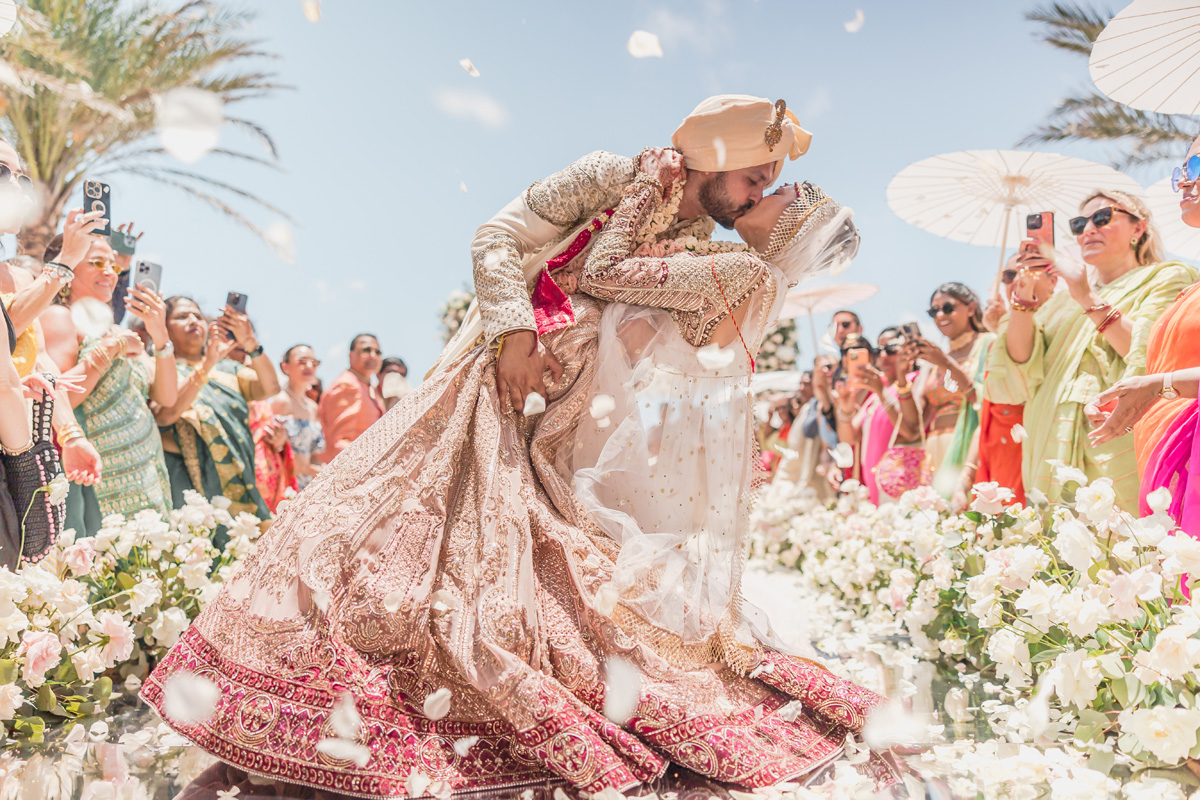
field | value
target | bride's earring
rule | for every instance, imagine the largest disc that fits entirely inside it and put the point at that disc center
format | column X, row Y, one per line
column 1133, row 243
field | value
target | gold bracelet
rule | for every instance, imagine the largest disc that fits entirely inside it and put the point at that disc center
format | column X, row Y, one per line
column 69, row 433
column 19, row 450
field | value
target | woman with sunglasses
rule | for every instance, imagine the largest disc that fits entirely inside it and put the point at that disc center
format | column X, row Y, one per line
column 117, row 378
column 206, row 432
column 299, row 412
column 1160, row 406
column 948, row 385
column 1058, row 350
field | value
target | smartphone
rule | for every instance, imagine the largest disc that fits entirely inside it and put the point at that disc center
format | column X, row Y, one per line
column 148, row 274
column 910, row 331
column 236, row 301
column 858, row 357
column 97, row 196
column 122, row 243
column 1040, row 228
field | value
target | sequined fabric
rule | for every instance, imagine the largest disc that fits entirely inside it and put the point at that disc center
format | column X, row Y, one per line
column 458, row 512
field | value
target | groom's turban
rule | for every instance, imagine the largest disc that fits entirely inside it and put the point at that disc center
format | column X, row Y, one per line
column 735, row 131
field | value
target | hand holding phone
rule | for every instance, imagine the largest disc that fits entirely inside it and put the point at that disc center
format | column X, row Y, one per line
column 149, row 275
column 1039, row 228
column 858, row 357
column 97, row 196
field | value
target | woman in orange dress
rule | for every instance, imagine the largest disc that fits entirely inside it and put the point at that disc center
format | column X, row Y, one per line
column 1160, row 407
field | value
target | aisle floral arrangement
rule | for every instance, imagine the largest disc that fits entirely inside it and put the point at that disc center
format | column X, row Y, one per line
column 779, row 349
column 1078, row 609
column 98, row 611
column 453, row 312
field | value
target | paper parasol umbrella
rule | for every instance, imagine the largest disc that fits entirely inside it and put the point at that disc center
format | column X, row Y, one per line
column 1148, row 57
column 807, row 302
column 1178, row 238
column 983, row 196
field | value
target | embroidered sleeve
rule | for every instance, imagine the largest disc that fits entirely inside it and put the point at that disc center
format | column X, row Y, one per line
column 590, row 185
column 527, row 225
column 699, row 290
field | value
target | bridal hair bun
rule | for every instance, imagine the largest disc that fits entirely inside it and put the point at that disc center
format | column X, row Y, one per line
column 814, row 234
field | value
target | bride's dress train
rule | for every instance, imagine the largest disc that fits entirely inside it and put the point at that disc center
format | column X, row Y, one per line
column 459, row 546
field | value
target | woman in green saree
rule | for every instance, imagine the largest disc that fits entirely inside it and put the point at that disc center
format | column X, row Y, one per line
column 206, row 432
column 1055, row 351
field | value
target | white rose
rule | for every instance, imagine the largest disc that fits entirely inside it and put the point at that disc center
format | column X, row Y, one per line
column 1175, row 655
column 900, row 586
column 11, row 699
column 1159, row 500
column 1076, row 544
column 1083, row 611
column 991, row 498
column 1168, row 733
column 1065, row 473
column 144, row 594
column 58, row 488
column 168, row 626
column 1097, row 501
column 1183, row 554
column 1127, row 588
column 1011, row 654
column 1041, row 600
column 11, row 626
column 1076, row 678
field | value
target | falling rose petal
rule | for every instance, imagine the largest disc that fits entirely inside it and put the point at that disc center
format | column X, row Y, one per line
column 409, row 505
column 442, row 601
column 189, row 122
column 791, row 711
column 91, row 316
column 279, row 235
column 321, row 599
column 527, row 794
column 442, row 790
column 466, row 64
column 607, row 597
column 764, row 668
column 644, row 44
column 463, row 746
column 559, row 794
column 843, row 455
column 603, row 423
column 855, row 25
column 534, row 404
column 8, row 16
column 1018, row 433
column 416, row 783
column 622, row 689
column 344, row 718
column 855, row 753
column 99, row 731
column 602, row 406
column 719, row 147
column 462, row 186
column 713, row 357
column 393, row 600
column 312, row 10
column 189, row 699
column 437, row 705
column 891, row 724
column 345, row 751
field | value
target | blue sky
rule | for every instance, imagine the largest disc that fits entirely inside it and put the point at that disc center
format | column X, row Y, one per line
column 384, row 129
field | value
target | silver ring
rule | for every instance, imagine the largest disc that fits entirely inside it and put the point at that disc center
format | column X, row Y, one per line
column 1128, row 429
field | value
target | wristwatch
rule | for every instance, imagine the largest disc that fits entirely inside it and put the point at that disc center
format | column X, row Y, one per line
column 1167, row 392
column 167, row 350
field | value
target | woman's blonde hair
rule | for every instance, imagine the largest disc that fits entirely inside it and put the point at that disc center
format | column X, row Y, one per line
column 1149, row 248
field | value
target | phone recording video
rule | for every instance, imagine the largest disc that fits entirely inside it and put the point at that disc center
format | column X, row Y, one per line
column 97, row 196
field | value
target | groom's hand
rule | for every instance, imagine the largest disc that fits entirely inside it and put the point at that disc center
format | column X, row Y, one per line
column 522, row 363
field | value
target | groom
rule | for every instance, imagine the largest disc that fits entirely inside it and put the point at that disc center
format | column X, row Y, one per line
column 733, row 148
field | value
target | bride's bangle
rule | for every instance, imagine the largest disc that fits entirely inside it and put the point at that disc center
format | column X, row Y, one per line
column 1027, row 308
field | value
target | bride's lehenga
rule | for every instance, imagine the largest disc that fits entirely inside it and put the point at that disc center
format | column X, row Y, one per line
column 457, row 545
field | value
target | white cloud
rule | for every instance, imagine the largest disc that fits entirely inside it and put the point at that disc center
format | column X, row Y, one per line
column 471, row 105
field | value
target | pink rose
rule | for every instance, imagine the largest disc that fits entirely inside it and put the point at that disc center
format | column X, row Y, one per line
column 79, row 556
column 991, row 498
column 120, row 637
column 41, row 650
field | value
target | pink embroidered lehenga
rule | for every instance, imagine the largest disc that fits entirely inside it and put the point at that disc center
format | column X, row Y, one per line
column 512, row 561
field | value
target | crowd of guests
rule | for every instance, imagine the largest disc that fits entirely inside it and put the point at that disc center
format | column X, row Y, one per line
column 1091, row 365
column 154, row 396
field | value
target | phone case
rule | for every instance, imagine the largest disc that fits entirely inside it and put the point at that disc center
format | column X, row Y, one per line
column 1044, row 234
column 236, row 301
column 148, row 274
column 97, row 196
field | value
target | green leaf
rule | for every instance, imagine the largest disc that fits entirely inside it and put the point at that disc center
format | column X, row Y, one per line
column 46, row 701
column 1102, row 761
column 1049, row 654
column 1111, row 666
column 1102, row 637
column 974, row 516
column 102, row 689
column 8, row 671
column 125, row 581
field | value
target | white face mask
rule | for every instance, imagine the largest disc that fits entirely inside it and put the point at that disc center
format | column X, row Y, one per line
column 776, row 420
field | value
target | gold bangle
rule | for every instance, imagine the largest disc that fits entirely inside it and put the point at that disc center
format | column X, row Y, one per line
column 69, row 433
column 19, row 450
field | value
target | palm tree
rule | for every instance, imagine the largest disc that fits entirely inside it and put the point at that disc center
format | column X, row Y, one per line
column 78, row 84
column 1144, row 137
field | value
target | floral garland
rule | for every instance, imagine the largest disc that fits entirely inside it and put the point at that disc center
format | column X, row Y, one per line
column 454, row 311
column 779, row 348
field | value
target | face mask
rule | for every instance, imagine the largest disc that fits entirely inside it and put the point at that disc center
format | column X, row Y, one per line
column 776, row 420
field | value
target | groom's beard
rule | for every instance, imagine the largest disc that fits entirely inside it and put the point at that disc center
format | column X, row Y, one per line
column 715, row 201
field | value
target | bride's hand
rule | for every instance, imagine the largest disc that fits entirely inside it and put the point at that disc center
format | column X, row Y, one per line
column 664, row 164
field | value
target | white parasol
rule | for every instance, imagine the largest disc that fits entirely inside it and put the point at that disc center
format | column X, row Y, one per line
column 1178, row 238
column 983, row 196
column 1148, row 57
column 809, row 301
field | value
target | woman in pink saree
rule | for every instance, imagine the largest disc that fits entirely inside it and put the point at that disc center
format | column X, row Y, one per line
column 482, row 599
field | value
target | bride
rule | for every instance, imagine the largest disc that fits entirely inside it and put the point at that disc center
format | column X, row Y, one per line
column 484, row 599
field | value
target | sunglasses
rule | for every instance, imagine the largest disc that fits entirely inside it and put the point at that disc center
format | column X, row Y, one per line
column 371, row 351
column 308, row 362
column 24, row 182
column 1099, row 219
column 107, row 266
column 1188, row 174
column 893, row 349
column 946, row 308
column 846, row 324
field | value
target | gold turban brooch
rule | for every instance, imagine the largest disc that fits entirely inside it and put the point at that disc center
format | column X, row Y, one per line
column 736, row 131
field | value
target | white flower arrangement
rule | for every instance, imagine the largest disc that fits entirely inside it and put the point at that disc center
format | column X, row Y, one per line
column 454, row 311
column 1078, row 610
column 101, row 610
